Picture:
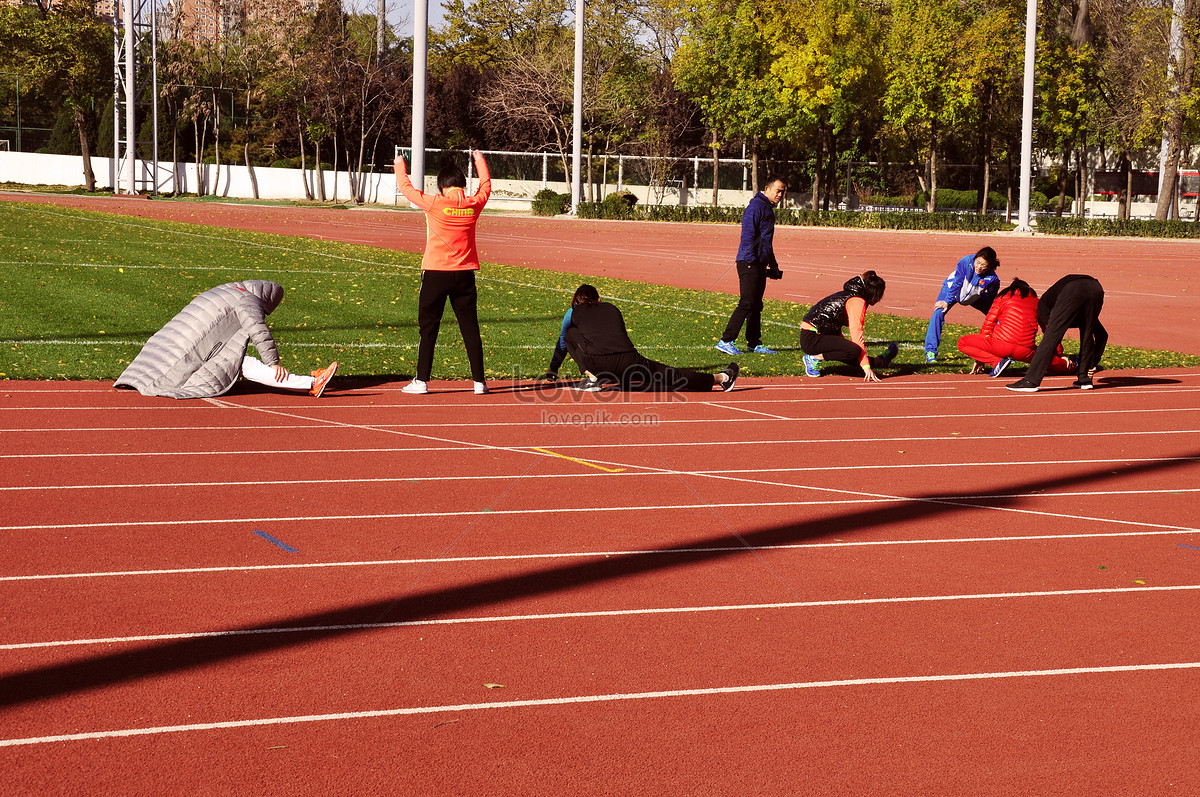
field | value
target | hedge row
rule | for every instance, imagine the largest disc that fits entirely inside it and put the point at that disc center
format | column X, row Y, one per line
column 967, row 222
column 1132, row 228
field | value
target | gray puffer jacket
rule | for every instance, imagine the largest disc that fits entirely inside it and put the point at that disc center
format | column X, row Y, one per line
column 198, row 354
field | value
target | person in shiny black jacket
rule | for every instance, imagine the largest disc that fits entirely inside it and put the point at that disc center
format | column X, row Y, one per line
column 821, row 330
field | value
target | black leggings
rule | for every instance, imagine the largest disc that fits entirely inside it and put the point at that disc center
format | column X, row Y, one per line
column 635, row 372
column 831, row 347
column 459, row 288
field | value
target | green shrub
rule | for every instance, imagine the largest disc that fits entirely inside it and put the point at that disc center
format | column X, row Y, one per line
column 549, row 202
column 1131, row 228
column 800, row 217
column 954, row 199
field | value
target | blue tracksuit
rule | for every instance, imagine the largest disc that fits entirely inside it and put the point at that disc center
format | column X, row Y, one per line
column 963, row 286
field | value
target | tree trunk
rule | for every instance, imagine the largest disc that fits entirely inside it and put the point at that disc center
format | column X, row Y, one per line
column 818, row 168
column 931, row 199
column 591, row 182
column 85, row 147
column 987, row 185
column 716, row 151
column 308, row 194
column 1125, row 206
column 1062, row 181
column 320, row 174
column 754, row 165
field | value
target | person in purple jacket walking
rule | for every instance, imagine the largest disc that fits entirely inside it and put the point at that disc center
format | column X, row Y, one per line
column 974, row 283
column 755, row 265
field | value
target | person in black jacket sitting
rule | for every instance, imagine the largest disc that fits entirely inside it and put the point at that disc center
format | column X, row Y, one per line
column 599, row 343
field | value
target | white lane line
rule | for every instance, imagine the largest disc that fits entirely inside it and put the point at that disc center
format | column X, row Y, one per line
column 595, row 554
column 741, row 409
column 608, row 698
column 598, row 401
column 641, row 473
column 509, row 618
column 1110, row 434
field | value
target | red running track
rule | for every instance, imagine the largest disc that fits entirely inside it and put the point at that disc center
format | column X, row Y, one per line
column 1152, row 287
column 924, row 586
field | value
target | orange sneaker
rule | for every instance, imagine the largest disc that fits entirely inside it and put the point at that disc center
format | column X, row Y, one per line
column 321, row 379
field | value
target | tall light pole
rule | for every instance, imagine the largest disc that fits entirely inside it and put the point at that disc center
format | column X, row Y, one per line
column 1027, row 118
column 577, row 127
column 420, row 66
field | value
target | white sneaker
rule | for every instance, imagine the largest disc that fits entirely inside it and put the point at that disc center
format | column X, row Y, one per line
column 416, row 386
column 481, row 389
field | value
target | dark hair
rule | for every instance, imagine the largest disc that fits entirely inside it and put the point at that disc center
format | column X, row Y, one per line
column 772, row 178
column 874, row 285
column 450, row 176
column 1019, row 286
column 989, row 254
column 585, row 294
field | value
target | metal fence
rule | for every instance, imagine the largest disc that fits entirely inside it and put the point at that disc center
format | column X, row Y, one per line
column 665, row 180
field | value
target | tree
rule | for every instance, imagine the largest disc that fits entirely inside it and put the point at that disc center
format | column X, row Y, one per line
column 830, row 73
column 723, row 64
column 66, row 53
column 930, row 89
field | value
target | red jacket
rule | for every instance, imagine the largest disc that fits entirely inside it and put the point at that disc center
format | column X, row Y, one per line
column 1012, row 319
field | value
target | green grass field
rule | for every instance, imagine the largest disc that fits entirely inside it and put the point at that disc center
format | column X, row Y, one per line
column 80, row 292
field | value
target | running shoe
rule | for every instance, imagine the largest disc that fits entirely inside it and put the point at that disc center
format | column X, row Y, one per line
column 930, row 356
column 761, row 349
column 1000, row 366
column 890, row 354
column 731, row 375
column 1083, row 383
column 481, row 389
column 729, row 347
column 590, row 383
column 321, row 379
column 1023, row 386
column 810, row 365
column 415, row 387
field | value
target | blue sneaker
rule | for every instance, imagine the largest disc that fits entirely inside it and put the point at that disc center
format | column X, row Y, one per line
column 761, row 349
column 729, row 347
column 1000, row 366
column 930, row 356
column 810, row 366
column 890, row 354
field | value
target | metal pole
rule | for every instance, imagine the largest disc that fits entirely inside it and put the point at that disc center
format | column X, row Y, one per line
column 577, row 127
column 130, row 102
column 1027, row 117
column 420, row 61
column 154, row 81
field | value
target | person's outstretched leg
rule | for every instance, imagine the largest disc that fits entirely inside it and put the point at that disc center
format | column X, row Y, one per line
column 256, row 371
column 933, row 332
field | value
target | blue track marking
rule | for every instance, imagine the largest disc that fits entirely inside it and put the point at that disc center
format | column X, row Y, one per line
column 274, row 541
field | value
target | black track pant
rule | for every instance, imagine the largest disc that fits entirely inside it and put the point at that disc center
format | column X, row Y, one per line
column 752, row 284
column 459, row 288
column 635, row 372
column 1077, row 307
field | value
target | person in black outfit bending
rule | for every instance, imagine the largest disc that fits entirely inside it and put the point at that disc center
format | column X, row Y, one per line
column 1073, row 302
column 599, row 343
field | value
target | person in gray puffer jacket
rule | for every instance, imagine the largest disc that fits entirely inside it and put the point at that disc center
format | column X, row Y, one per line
column 201, row 352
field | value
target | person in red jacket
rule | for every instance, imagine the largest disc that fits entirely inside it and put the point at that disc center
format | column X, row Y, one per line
column 1009, row 332
column 449, row 264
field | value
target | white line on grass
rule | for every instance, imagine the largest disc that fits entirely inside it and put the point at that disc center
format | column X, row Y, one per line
column 510, row 618
column 608, row 698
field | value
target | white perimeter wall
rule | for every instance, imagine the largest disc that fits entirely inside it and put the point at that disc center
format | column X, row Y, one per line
column 237, row 182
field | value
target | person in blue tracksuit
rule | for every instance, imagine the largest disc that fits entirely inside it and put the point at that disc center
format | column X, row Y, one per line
column 973, row 283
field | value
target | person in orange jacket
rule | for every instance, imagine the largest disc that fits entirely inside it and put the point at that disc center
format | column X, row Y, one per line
column 449, row 264
column 1009, row 333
